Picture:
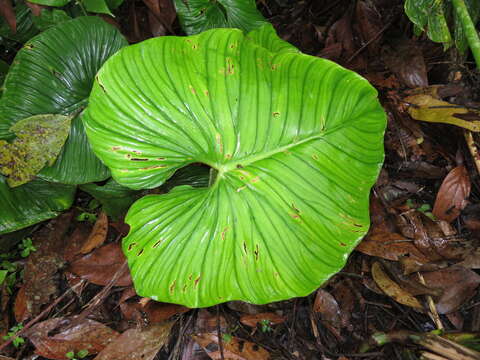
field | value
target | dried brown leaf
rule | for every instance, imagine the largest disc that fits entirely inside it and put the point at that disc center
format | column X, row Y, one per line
column 452, row 195
column 253, row 319
column 100, row 266
column 88, row 334
column 392, row 289
column 98, row 235
column 137, row 344
column 236, row 348
column 327, row 306
column 20, row 306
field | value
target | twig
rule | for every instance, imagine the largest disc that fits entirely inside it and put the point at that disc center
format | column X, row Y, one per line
column 39, row 316
column 473, row 148
column 433, row 313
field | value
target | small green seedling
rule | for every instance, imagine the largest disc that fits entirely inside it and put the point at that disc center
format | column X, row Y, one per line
column 12, row 334
column 79, row 355
column 87, row 216
column 265, row 325
column 227, row 338
column 26, row 247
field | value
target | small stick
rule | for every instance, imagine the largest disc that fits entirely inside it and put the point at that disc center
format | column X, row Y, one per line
column 431, row 305
column 473, row 149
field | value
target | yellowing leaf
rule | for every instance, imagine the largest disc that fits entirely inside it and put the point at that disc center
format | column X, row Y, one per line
column 427, row 108
column 40, row 139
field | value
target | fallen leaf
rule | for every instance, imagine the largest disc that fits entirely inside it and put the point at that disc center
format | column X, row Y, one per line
column 253, row 319
column 457, row 283
column 407, row 62
column 392, row 289
column 137, row 344
column 88, row 334
column 6, row 10
column 153, row 312
column 39, row 140
column 370, row 24
column 20, row 306
column 98, row 235
column 453, row 194
column 427, row 108
column 235, row 348
column 42, row 265
column 76, row 240
column 327, row 306
column 99, row 266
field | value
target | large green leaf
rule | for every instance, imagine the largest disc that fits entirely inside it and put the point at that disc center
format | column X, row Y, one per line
column 31, row 203
column 199, row 15
column 296, row 141
column 53, row 74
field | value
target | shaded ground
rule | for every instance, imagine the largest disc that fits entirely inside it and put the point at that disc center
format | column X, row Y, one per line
column 414, row 272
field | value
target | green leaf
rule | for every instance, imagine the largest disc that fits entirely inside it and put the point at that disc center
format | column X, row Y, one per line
column 53, row 74
column 25, row 27
column 115, row 198
column 461, row 42
column 57, row 3
column 31, row 203
column 49, row 18
column 97, row 6
column 296, row 143
column 3, row 275
column 199, row 15
column 113, row 4
column 39, row 140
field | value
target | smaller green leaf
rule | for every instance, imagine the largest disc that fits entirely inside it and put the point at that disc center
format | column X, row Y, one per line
column 51, row 2
column 113, row 4
column 97, row 6
column 49, row 18
column 3, row 275
column 40, row 139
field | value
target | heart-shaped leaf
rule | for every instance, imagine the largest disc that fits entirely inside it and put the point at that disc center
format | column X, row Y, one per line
column 53, row 74
column 295, row 141
column 31, row 203
column 199, row 15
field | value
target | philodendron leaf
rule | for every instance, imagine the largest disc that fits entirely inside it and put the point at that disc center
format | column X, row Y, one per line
column 31, row 203
column 199, row 15
column 39, row 140
column 53, row 74
column 296, row 143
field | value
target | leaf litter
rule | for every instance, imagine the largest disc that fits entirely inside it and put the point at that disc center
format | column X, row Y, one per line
column 421, row 250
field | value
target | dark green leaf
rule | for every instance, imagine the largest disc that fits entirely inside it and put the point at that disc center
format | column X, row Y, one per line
column 31, row 203
column 25, row 27
column 199, row 15
column 97, row 6
column 50, row 2
column 53, row 74
column 296, row 143
column 49, row 18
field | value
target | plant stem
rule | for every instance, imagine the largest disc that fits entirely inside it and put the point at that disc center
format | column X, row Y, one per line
column 469, row 28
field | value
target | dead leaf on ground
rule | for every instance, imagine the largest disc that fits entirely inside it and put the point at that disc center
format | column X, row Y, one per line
column 20, row 306
column 137, row 344
column 457, row 283
column 153, row 311
column 453, row 194
column 370, row 23
column 100, row 266
column 88, row 334
column 76, row 241
column 235, row 348
column 254, row 319
column 427, row 108
column 98, row 235
column 42, row 265
column 392, row 289
column 7, row 12
column 327, row 306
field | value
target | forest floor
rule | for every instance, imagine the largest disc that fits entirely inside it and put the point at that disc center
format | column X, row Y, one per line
column 415, row 271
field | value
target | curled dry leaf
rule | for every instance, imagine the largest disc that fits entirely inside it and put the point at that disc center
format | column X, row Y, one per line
column 98, row 235
column 101, row 265
column 327, row 306
column 392, row 289
column 457, row 283
column 88, row 334
column 253, row 319
column 137, row 344
column 235, row 348
column 452, row 195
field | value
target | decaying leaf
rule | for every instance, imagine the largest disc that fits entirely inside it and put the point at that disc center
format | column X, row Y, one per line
column 235, row 348
column 100, row 266
column 327, row 306
column 40, row 139
column 253, row 319
column 427, row 108
column 137, row 344
column 392, row 289
column 153, row 312
column 98, row 235
column 452, row 195
column 87, row 335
